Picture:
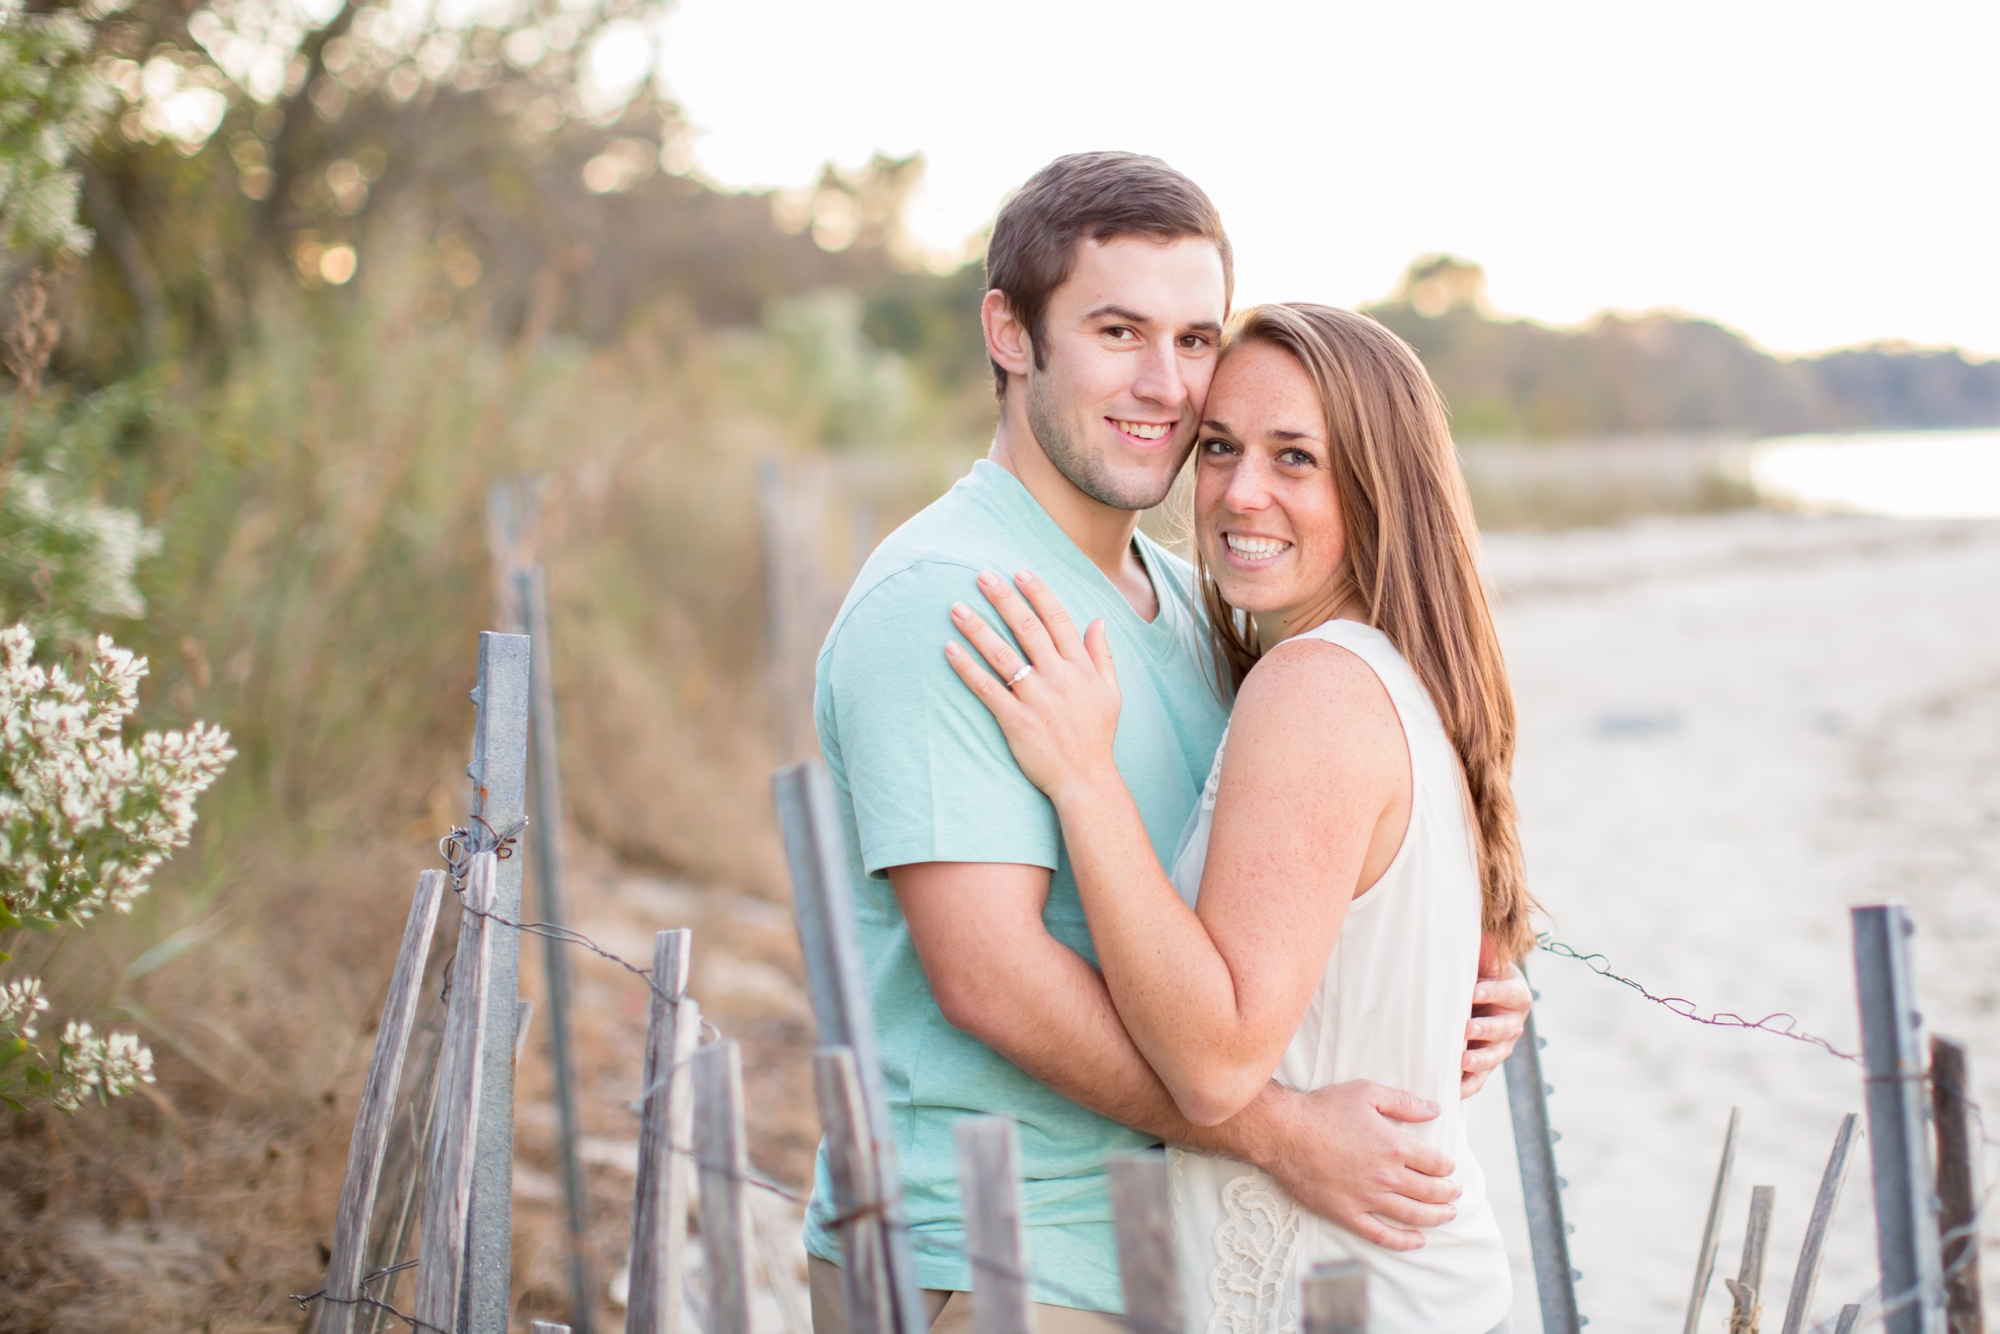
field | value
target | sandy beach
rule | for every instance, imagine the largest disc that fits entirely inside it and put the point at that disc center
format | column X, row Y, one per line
column 1733, row 728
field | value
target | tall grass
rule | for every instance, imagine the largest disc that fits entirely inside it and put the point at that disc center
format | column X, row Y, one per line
column 323, row 578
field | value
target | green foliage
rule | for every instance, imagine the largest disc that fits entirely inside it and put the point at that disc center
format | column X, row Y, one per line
column 52, row 104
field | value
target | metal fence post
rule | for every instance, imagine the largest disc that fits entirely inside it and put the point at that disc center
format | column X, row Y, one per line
column 499, row 798
column 1541, row 1188
column 545, row 837
column 823, row 899
column 1906, row 1206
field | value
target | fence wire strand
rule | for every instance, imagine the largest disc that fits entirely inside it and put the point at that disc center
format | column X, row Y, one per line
column 462, row 844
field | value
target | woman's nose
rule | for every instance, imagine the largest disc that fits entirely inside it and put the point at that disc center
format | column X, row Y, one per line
column 1249, row 486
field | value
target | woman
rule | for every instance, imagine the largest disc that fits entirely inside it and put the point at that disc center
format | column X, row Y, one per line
column 1324, row 915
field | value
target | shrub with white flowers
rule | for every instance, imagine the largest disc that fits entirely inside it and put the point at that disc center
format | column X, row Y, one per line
column 84, row 823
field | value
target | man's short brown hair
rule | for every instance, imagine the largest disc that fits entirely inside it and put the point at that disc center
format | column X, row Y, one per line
column 1094, row 196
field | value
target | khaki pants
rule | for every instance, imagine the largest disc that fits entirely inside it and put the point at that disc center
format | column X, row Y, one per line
column 949, row 1312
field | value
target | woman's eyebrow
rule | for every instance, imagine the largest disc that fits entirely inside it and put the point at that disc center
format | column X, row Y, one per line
column 1214, row 425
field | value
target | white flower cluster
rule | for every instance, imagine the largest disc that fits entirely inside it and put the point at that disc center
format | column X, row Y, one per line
column 20, row 1002
column 84, row 822
column 107, row 1067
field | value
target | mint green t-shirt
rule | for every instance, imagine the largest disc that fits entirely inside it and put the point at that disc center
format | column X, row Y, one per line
column 922, row 773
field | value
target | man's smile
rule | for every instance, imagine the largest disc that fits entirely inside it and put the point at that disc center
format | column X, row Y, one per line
column 1145, row 433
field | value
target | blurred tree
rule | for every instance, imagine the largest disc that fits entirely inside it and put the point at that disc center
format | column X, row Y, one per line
column 1661, row 372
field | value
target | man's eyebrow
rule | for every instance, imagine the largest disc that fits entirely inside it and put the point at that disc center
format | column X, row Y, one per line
column 1119, row 312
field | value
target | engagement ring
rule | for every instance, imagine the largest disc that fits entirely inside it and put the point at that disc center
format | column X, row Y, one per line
column 1021, row 675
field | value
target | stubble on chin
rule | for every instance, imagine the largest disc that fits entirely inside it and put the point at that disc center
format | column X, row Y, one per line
column 1085, row 470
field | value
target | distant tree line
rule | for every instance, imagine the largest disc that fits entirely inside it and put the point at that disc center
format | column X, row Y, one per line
column 1660, row 372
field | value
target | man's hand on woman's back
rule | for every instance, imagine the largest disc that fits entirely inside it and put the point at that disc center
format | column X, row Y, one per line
column 1340, row 1152
column 1500, row 1004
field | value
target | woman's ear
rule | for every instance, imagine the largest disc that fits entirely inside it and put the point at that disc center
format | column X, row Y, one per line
column 1007, row 340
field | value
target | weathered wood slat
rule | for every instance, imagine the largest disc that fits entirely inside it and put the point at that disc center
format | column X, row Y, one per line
column 1748, row 1285
column 1957, row 1185
column 1804, row 1278
column 1335, row 1299
column 989, row 1187
column 850, row 1162
column 375, row 1117
column 1142, row 1212
column 1711, row 1232
column 723, row 1157
column 660, row 1201
column 449, row 1157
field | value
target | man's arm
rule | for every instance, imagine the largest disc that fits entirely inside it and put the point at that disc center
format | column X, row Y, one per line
column 999, row 975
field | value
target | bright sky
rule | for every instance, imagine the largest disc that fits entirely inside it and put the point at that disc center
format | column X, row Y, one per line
column 1814, row 175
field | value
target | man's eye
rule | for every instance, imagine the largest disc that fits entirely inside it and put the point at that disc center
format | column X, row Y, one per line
column 1193, row 342
column 1120, row 331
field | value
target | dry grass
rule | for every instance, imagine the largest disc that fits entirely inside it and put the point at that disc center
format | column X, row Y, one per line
column 325, row 578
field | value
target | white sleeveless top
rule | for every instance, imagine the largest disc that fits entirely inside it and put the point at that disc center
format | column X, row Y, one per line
column 1391, row 1007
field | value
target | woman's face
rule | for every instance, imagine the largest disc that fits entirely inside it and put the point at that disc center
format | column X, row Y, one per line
column 1266, row 512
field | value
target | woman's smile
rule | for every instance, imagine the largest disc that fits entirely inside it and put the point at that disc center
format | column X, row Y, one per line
column 1250, row 551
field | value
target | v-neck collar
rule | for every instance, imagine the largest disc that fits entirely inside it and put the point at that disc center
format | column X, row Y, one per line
column 1016, row 504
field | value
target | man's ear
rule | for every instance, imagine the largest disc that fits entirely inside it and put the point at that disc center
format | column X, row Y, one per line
column 1007, row 340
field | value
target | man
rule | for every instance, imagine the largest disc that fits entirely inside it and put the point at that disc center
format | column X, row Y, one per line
column 1110, row 279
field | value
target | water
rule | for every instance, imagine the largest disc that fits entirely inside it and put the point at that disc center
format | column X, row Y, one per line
column 1914, row 475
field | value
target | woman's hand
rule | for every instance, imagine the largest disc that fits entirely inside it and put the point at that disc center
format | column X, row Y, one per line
column 1060, row 714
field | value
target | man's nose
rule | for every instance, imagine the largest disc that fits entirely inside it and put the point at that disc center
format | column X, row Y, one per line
column 1160, row 377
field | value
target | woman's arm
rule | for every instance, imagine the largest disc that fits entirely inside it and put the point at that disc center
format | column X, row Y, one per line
column 1315, row 776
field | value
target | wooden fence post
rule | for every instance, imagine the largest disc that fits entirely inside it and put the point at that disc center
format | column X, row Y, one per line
column 1806, row 1276
column 816, row 849
column 1711, row 1232
column 1541, row 1188
column 1957, row 1184
column 1850, row 1316
column 1142, row 1211
column 547, row 1327
column 657, row 1300
column 375, row 1116
column 989, row 1187
column 723, row 1156
column 461, row 1073
column 1334, row 1299
column 1906, row 1205
column 1748, row 1286
column 850, row 1162
column 499, row 803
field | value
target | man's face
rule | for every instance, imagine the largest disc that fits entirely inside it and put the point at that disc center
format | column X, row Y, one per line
column 1130, row 343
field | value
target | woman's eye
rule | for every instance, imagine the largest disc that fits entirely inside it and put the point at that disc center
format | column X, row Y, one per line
column 1216, row 448
column 1298, row 458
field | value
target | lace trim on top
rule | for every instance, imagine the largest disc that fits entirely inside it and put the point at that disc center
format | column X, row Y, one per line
column 1253, row 1255
column 1214, row 774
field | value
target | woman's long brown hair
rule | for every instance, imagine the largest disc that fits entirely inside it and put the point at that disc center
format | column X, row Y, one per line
column 1412, row 563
